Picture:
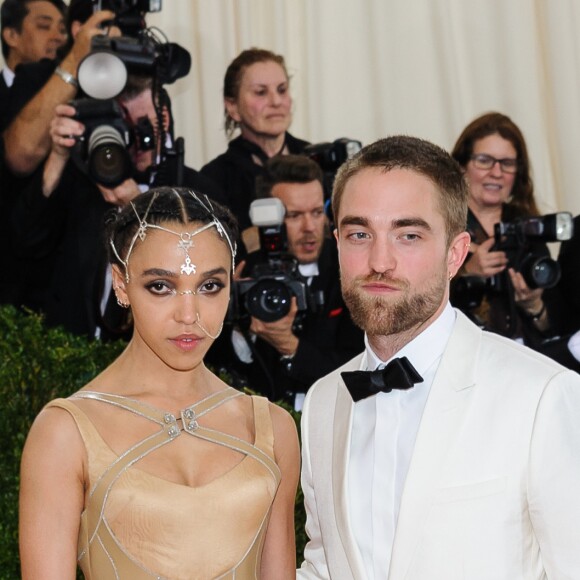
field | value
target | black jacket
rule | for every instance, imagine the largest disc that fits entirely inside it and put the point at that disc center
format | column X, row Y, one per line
column 235, row 174
column 61, row 241
column 327, row 339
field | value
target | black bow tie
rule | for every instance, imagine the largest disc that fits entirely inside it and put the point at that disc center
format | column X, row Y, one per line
column 398, row 374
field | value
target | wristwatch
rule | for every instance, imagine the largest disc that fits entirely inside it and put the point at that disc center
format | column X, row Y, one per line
column 66, row 76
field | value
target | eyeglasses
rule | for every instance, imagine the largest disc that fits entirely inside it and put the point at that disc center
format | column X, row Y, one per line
column 483, row 161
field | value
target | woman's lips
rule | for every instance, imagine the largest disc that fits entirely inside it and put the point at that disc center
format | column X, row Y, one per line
column 186, row 342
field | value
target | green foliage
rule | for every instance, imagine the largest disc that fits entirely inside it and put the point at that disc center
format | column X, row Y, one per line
column 38, row 364
column 299, row 511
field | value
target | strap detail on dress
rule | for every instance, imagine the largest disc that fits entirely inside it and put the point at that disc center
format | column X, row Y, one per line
column 264, row 438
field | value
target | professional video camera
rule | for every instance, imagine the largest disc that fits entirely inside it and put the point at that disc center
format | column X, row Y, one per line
column 102, row 76
column 106, row 138
column 268, row 292
column 330, row 156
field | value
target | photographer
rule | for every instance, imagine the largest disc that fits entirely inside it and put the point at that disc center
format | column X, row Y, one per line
column 58, row 220
column 31, row 30
column 493, row 154
column 39, row 87
column 283, row 358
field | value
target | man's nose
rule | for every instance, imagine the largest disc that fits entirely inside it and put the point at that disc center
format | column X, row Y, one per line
column 381, row 257
column 307, row 223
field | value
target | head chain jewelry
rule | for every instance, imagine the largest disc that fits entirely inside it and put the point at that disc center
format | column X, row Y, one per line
column 185, row 241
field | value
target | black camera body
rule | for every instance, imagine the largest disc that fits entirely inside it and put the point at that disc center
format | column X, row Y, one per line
column 517, row 239
column 102, row 149
column 129, row 14
column 267, row 293
column 330, row 156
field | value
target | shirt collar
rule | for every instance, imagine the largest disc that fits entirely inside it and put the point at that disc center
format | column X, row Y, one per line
column 8, row 76
column 424, row 349
column 308, row 270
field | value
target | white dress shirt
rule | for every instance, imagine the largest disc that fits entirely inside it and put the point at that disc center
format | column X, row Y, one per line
column 384, row 429
column 8, row 75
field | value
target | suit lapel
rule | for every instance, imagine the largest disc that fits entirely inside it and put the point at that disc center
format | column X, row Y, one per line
column 340, row 460
column 448, row 400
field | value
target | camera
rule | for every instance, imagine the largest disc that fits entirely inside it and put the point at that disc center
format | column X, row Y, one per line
column 102, row 76
column 129, row 14
column 103, row 147
column 517, row 239
column 103, row 73
column 267, row 293
column 330, row 156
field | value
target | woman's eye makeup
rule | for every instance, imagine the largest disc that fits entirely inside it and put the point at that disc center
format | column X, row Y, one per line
column 160, row 287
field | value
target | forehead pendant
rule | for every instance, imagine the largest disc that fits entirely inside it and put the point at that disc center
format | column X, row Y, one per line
column 185, row 244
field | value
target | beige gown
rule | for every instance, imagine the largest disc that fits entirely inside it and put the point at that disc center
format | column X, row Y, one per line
column 139, row 526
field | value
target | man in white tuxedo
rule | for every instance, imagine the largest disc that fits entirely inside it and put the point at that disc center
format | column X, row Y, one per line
column 467, row 466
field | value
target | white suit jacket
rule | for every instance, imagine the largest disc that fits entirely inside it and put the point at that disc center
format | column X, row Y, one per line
column 493, row 488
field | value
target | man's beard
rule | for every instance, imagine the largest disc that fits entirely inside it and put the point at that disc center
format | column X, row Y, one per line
column 379, row 315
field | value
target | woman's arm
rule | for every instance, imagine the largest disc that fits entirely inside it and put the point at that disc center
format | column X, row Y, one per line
column 52, row 476
column 279, row 554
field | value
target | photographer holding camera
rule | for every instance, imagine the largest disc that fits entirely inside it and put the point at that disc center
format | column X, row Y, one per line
column 496, row 285
column 284, row 356
column 59, row 218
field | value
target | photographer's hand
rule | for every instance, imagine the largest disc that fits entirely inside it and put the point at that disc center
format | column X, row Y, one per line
column 529, row 300
column 83, row 37
column 483, row 261
column 63, row 130
column 122, row 194
column 279, row 334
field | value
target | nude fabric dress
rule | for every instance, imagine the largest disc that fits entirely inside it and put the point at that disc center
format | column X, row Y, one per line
column 139, row 526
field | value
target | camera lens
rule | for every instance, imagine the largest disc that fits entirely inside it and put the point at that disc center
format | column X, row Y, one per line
column 542, row 272
column 109, row 160
column 269, row 300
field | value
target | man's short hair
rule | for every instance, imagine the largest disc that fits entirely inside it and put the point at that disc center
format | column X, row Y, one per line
column 13, row 13
column 422, row 157
column 287, row 169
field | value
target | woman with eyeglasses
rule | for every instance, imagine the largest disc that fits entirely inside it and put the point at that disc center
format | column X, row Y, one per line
column 493, row 154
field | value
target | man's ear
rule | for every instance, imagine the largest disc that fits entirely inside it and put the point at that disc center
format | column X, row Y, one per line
column 120, row 285
column 457, row 252
column 10, row 37
column 232, row 109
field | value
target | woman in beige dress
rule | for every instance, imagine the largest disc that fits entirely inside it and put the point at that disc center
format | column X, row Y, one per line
column 156, row 468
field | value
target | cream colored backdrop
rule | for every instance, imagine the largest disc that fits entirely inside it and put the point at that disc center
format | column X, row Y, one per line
column 369, row 68
column 365, row 69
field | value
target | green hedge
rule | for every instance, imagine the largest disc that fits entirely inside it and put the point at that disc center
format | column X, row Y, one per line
column 38, row 364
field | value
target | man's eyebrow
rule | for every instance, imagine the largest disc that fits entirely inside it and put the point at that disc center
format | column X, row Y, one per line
column 411, row 222
column 353, row 220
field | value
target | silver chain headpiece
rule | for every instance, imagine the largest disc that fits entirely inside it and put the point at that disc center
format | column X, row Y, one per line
column 185, row 238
